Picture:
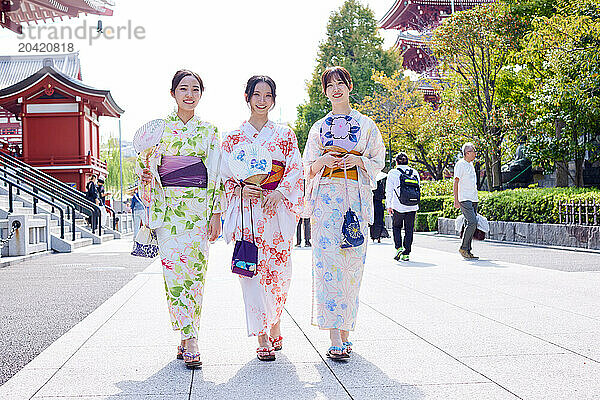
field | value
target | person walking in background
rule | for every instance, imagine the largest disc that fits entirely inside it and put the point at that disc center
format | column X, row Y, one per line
column 465, row 196
column 91, row 190
column 401, row 205
column 343, row 155
column 378, row 230
column 102, row 201
column 303, row 223
column 182, row 166
column 137, row 211
column 266, row 213
column 91, row 194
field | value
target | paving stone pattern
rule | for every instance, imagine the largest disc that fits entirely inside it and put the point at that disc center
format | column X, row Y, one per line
column 437, row 327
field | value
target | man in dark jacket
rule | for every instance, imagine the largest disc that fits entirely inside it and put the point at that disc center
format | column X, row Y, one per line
column 91, row 192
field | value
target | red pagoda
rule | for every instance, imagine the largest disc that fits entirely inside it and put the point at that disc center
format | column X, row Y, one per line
column 15, row 12
column 58, row 114
column 415, row 20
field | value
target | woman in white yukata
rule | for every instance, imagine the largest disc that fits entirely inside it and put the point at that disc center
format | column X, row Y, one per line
column 185, row 206
column 344, row 153
column 275, row 204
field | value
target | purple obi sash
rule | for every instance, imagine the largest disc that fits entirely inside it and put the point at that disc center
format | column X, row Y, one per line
column 272, row 181
column 183, row 171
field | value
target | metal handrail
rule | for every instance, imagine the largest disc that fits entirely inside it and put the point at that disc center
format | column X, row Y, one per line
column 114, row 214
column 57, row 188
column 30, row 192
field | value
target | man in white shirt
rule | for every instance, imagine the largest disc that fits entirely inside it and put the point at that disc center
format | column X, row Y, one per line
column 465, row 196
column 402, row 215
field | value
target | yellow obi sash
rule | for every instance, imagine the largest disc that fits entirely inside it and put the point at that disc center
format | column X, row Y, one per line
column 351, row 173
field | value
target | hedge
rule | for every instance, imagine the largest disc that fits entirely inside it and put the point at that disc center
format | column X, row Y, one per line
column 427, row 221
column 432, row 203
column 523, row 205
column 436, row 188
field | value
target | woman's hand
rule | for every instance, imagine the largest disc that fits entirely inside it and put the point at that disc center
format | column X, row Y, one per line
column 251, row 192
column 271, row 201
column 214, row 227
column 146, row 177
column 351, row 161
column 326, row 160
column 330, row 160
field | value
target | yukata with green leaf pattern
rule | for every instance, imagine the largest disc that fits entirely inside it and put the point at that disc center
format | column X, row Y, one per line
column 180, row 217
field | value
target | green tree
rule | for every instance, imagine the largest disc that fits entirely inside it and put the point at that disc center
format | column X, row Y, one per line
column 408, row 123
column 352, row 42
column 110, row 153
column 475, row 46
column 567, row 102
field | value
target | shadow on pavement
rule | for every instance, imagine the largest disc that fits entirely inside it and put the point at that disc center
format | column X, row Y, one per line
column 364, row 380
column 270, row 380
column 171, row 382
column 484, row 263
column 415, row 264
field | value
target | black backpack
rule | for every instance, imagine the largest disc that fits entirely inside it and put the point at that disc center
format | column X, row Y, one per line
column 409, row 191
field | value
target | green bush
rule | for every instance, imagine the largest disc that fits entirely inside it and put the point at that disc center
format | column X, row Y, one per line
column 432, row 203
column 432, row 220
column 448, row 210
column 436, row 188
column 421, row 222
column 427, row 221
column 523, row 205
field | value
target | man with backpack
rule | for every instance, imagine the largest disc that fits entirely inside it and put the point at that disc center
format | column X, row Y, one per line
column 403, row 193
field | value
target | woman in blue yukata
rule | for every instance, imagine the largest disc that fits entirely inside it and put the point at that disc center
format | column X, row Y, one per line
column 343, row 155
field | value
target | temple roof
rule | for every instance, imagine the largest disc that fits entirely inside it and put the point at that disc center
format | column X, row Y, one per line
column 407, row 14
column 20, row 11
column 14, row 69
column 101, row 99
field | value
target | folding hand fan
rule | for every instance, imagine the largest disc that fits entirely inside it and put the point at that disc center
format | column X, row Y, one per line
column 250, row 163
column 148, row 135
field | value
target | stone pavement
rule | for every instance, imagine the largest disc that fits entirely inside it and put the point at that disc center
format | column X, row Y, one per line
column 437, row 327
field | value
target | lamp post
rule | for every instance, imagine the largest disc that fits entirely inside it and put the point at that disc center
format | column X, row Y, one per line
column 121, row 165
column 452, row 3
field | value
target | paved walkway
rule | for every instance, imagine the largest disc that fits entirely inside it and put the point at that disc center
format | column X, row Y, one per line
column 434, row 328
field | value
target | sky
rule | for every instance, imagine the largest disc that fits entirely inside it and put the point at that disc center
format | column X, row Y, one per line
column 225, row 42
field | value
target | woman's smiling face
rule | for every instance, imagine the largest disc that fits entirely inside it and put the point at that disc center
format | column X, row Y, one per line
column 261, row 100
column 336, row 90
column 187, row 93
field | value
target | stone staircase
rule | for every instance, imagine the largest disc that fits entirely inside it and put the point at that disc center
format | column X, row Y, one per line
column 23, row 205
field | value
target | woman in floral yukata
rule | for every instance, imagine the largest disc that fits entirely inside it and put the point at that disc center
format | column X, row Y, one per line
column 185, row 206
column 275, row 204
column 344, row 151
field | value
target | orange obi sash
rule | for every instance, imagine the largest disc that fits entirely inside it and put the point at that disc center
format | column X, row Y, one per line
column 351, row 173
column 272, row 181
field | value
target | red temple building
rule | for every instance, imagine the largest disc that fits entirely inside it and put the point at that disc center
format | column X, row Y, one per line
column 415, row 20
column 58, row 114
column 15, row 12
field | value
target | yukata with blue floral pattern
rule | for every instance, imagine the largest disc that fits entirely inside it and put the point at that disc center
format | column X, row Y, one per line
column 180, row 217
column 337, row 272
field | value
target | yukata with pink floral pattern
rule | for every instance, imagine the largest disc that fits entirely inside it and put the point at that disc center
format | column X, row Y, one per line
column 266, row 292
column 180, row 217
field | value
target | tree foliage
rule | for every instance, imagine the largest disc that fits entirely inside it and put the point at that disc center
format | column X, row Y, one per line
column 475, row 46
column 352, row 42
column 409, row 124
column 567, row 102
column 110, row 153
